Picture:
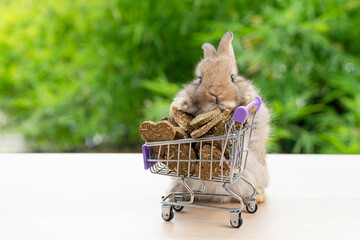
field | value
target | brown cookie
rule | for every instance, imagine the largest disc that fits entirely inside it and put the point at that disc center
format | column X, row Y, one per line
column 230, row 115
column 172, row 121
column 202, row 169
column 180, row 133
column 219, row 129
column 181, row 119
column 165, row 119
column 186, row 128
column 217, row 143
column 182, row 152
column 205, row 128
column 160, row 131
column 203, row 118
column 206, row 152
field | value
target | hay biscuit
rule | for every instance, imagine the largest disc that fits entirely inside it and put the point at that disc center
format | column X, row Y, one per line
column 186, row 128
column 172, row 121
column 203, row 118
column 183, row 167
column 205, row 128
column 160, row 131
column 217, row 143
column 202, row 169
column 230, row 115
column 219, row 129
column 165, row 119
column 180, row 133
column 189, row 130
column 182, row 119
column 182, row 152
column 206, row 152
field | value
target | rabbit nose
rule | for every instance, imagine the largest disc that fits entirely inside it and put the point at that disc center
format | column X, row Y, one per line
column 215, row 91
column 215, row 94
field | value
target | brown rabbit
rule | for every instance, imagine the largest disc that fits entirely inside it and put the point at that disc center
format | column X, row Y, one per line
column 218, row 85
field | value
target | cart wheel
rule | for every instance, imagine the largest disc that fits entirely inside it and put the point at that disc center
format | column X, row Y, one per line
column 236, row 223
column 251, row 207
column 168, row 216
column 178, row 208
column 235, row 219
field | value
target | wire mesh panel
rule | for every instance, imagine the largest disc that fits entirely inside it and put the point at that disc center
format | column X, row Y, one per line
column 217, row 158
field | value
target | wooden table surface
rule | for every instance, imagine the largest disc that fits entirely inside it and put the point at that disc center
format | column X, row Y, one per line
column 110, row 196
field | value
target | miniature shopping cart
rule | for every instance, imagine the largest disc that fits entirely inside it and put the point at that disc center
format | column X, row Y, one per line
column 234, row 150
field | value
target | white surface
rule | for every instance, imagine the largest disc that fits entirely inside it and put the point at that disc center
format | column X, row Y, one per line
column 110, row 196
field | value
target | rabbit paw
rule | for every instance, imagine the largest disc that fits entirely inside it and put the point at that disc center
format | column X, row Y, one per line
column 181, row 104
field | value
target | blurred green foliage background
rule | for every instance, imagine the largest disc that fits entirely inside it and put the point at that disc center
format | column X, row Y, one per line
column 82, row 75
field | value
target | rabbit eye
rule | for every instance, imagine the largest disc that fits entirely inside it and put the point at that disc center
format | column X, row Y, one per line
column 200, row 79
column 232, row 78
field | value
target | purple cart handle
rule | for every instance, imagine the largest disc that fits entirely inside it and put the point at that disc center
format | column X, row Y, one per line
column 145, row 151
column 241, row 113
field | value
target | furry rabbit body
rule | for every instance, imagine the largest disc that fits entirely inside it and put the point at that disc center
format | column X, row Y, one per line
column 218, row 85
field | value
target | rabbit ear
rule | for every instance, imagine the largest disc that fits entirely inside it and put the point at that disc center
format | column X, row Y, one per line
column 225, row 45
column 209, row 50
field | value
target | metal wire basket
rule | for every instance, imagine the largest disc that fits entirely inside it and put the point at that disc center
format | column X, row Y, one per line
column 224, row 162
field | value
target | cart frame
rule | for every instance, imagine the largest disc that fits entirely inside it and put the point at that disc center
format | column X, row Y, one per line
column 232, row 144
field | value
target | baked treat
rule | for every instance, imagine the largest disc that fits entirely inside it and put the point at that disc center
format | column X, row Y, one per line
column 161, row 131
column 205, row 128
column 203, row 118
column 202, row 169
column 217, row 143
column 184, row 152
column 179, row 126
column 180, row 133
column 181, row 119
column 172, row 121
column 165, row 119
column 219, row 129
